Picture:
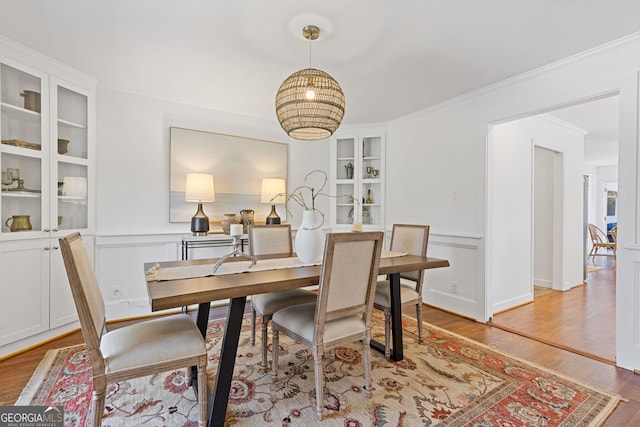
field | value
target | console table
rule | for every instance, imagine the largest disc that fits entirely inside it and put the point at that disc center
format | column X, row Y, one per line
column 209, row 241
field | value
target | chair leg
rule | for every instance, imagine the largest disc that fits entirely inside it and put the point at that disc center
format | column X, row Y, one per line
column 97, row 401
column 275, row 342
column 202, row 392
column 264, row 320
column 253, row 325
column 317, row 370
column 419, row 318
column 366, row 359
column 387, row 334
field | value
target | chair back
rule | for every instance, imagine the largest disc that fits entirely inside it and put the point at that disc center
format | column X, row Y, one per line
column 348, row 277
column 614, row 234
column 596, row 234
column 86, row 295
column 270, row 239
column 414, row 240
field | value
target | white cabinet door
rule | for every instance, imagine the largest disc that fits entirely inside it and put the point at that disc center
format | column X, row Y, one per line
column 24, row 284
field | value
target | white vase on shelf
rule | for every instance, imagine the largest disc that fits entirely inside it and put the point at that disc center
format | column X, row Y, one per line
column 309, row 242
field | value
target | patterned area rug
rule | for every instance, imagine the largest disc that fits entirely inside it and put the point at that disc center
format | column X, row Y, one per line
column 448, row 380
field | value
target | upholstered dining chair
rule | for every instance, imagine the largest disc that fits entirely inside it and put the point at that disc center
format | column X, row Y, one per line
column 412, row 239
column 599, row 241
column 272, row 240
column 342, row 313
column 135, row 350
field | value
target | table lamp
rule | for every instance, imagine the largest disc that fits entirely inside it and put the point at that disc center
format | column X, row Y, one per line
column 199, row 189
column 273, row 191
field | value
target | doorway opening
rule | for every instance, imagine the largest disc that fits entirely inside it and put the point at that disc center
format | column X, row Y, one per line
column 541, row 160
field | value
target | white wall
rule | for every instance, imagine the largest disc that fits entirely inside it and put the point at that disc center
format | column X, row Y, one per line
column 511, row 194
column 442, row 151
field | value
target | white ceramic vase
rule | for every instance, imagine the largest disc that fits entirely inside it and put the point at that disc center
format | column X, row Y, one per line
column 309, row 243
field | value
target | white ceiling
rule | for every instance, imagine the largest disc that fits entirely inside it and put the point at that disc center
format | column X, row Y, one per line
column 391, row 57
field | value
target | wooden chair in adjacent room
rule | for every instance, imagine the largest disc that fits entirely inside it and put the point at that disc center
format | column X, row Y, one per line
column 599, row 241
column 272, row 240
column 342, row 313
column 136, row 350
column 412, row 239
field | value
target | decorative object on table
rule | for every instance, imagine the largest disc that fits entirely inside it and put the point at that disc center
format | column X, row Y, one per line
column 227, row 220
column 246, row 219
column 236, row 231
column 272, row 192
column 310, row 103
column 309, row 240
column 199, row 188
column 62, row 146
column 18, row 223
column 31, row 100
column 349, row 168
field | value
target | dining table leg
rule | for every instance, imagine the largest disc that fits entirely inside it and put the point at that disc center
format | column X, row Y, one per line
column 218, row 402
column 397, row 350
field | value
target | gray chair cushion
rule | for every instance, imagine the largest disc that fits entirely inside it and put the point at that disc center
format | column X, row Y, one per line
column 269, row 303
column 155, row 341
column 383, row 294
column 300, row 319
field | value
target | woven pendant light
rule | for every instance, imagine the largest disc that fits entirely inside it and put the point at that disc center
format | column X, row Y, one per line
column 310, row 103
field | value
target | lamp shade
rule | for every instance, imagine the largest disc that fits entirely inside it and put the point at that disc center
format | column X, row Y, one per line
column 310, row 105
column 199, row 188
column 270, row 188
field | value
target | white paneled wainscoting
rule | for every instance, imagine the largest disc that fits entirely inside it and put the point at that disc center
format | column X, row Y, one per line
column 120, row 259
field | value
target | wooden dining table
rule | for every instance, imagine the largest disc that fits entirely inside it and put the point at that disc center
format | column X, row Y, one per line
column 174, row 293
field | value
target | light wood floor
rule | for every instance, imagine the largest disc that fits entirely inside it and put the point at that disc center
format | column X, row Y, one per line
column 582, row 319
column 16, row 371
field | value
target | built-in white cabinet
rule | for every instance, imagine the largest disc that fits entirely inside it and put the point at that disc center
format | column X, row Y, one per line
column 358, row 169
column 47, row 160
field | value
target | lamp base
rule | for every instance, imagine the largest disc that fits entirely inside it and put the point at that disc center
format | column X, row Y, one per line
column 200, row 223
column 273, row 217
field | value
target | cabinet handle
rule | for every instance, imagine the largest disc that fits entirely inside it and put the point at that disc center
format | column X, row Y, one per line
column 56, row 248
column 46, row 230
column 54, row 229
column 47, row 248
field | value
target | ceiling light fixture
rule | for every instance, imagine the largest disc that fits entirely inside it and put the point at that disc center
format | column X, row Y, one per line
column 310, row 103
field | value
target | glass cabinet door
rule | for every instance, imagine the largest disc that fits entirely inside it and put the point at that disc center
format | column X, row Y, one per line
column 371, row 184
column 69, row 172
column 357, row 169
column 23, row 151
column 345, row 168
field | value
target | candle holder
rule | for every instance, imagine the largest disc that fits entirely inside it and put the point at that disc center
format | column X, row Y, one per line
column 235, row 252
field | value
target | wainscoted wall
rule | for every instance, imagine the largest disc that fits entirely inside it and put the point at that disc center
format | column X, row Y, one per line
column 119, row 268
column 454, row 288
column 120, row 259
